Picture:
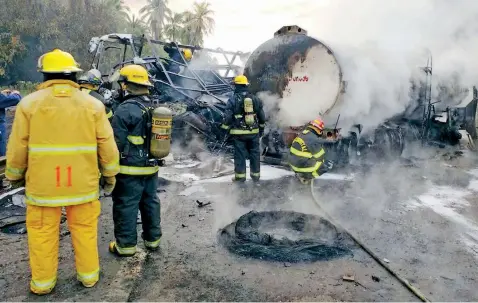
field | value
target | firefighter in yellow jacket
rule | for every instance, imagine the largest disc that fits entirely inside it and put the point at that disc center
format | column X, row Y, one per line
column 58, row 136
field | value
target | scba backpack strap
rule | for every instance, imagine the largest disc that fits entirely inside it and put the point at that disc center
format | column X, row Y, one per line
column 147, row 123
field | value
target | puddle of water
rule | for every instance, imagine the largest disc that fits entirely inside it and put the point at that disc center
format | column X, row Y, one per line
column 187, row 165
column 267, row 173
column 332, row 176
column 179, row 177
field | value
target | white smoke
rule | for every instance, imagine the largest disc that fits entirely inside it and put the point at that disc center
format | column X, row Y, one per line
column 380, row 45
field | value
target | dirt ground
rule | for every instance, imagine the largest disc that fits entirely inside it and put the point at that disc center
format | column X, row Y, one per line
column 421, row 217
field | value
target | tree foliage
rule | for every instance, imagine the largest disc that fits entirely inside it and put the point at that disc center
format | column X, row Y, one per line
column 29, row 28
column 188, row 27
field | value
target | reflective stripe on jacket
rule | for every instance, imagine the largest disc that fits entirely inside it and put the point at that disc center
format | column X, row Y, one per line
column 307, row 154
column 59, row 135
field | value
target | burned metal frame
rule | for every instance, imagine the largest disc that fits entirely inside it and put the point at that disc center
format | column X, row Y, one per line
column 137, row 44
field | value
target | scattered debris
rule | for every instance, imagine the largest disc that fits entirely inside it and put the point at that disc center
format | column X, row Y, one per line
column 360, row 284
column 348, row 278
column 12, row 220
column 202, row 204
column 287, row 264
column 375, row 278
column 183, row 225
column 19, row 200
column 386, row 260
column 20, row 190
column 446, row 278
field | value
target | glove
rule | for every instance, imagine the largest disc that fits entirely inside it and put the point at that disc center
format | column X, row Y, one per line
column 329, row 164
column 109, row 185
column 17, row 183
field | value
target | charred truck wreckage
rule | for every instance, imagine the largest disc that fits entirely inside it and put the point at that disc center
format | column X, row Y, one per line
column 197, row 93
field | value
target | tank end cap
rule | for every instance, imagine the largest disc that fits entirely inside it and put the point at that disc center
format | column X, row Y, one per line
column 290, row 29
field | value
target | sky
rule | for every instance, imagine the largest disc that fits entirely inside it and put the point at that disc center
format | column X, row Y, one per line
column 380, row 45
column 244, row 25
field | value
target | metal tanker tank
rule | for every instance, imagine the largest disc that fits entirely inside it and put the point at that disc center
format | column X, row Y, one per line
column 292, row 65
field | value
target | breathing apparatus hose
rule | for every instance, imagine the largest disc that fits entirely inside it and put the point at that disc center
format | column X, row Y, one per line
column 407, row 284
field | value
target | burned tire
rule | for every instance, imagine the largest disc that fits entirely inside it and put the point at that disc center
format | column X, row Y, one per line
column 307, row 238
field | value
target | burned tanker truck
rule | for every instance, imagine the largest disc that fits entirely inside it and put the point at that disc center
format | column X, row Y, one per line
column 289, row 66
column 292, row 65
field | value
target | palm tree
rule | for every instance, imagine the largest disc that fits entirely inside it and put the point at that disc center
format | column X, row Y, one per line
column 155, row 11
column 119, row 6
column 174, row 26
column 199, row 22
column 135, row 25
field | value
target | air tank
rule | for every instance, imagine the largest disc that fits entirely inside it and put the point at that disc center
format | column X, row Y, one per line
column 161, row 132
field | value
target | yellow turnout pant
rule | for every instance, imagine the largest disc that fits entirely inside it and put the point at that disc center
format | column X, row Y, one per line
column 43, row 228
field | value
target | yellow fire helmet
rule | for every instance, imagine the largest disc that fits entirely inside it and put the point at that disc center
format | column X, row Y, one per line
column 188, row 54
column 58, row 62
column 241, row 79
column 135, row 74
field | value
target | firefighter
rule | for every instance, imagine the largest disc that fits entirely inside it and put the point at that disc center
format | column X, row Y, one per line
column 137, row 181
column 306, row 157
column 245, row 121
column 53, row 142
column 174, row 53
column 8, row 98
column 90, row 83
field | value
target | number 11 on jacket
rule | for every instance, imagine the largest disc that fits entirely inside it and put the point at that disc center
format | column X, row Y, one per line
column 58, row 176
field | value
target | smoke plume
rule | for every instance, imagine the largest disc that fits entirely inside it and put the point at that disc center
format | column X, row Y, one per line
column 381, row 45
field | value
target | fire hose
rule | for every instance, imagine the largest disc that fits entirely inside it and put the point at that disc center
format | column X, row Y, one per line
column 407, row 284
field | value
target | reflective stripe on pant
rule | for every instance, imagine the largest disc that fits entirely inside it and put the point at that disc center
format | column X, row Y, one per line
column 130, row 194
column 247, row 145
column 308, row 172
column 43, row 228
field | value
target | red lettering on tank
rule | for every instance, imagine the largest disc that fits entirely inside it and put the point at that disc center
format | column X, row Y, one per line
column 299, row 79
